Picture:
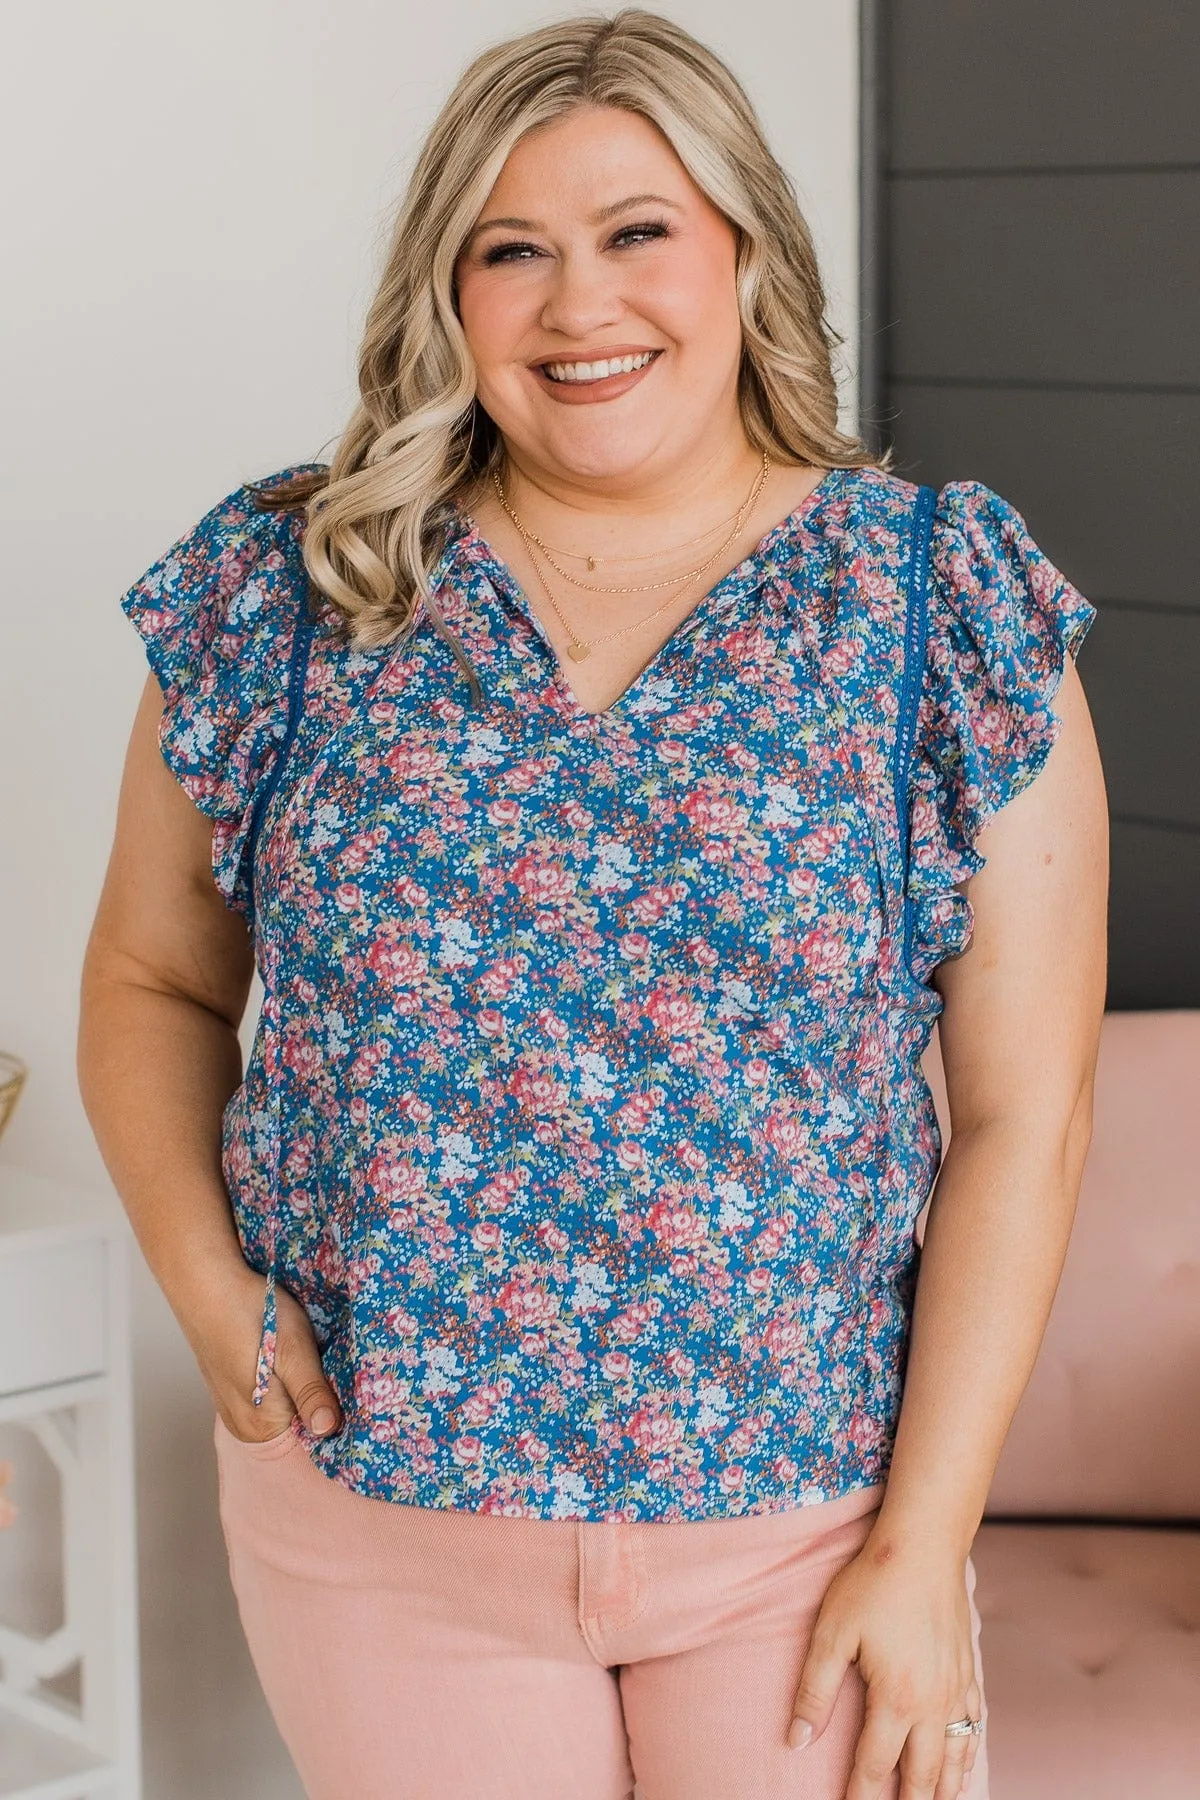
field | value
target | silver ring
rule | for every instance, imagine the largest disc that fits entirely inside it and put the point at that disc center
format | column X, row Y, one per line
column 964, row 1728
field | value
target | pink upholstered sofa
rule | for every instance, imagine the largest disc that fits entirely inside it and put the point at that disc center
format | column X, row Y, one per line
column 1089, row 1555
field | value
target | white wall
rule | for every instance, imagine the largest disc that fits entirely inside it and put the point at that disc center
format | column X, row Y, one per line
column 190, row 247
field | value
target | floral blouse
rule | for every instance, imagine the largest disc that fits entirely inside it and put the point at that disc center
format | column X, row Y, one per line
column 585, row 1113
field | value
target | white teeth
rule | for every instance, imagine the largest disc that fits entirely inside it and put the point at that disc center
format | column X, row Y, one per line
column 597, row 371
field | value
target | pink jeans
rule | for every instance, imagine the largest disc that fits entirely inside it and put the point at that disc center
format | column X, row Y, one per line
column 415, row 1653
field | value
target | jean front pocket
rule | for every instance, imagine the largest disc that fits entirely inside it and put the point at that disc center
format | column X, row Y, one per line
column 261, row 1449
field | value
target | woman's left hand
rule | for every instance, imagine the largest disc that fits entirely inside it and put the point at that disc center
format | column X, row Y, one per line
column 902, row 1613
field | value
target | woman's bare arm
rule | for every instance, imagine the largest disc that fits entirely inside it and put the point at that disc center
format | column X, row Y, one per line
column 165, row 980
column 166, row 976
column 1019, row 1038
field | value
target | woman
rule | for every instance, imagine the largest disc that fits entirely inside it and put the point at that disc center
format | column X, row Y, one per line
column 609, row 824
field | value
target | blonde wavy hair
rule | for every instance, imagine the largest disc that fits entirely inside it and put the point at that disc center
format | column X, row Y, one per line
column 419, row 445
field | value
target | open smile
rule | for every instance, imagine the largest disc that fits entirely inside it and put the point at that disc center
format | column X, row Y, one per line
column 602, row 378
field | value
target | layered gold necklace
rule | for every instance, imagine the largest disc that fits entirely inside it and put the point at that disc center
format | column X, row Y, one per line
column 578, row 648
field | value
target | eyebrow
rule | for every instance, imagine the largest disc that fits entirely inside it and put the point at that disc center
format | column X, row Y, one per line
column 597, row 218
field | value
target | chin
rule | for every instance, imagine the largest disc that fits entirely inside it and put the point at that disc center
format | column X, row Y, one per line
column 612, row 456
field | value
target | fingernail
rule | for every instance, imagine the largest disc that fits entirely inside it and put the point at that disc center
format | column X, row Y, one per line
column 800, row 1734
column 322, row 1420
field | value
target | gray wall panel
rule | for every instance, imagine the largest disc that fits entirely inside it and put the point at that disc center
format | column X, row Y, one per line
column 1038, row 202
column 1108, row 483
column 1088, row 278
column 1154, row 917
column 980, row 84
column 1143, row 687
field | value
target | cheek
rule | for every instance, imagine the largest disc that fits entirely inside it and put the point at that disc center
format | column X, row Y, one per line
column 702, row 321
column 493, row 318
column 695, row 302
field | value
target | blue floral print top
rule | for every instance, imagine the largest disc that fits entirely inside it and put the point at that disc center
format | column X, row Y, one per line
column 585, row 1113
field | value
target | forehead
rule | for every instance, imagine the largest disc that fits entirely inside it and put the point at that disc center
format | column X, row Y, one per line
column 586, row 156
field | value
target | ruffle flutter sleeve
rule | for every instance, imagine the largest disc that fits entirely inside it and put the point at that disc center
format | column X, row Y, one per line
column 217, row 614
column 1002, row 621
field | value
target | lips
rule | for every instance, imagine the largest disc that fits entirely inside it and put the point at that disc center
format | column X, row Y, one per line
column 575, row 387
column 598, row 368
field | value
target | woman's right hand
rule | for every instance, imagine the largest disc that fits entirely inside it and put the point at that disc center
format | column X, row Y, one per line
column 224, row 1328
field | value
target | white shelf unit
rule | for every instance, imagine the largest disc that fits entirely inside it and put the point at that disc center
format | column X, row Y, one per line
column 65, row 1379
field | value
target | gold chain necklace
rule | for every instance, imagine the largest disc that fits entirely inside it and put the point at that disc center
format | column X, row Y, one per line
column 579, row 648
column 645, row 586
column 593, row 561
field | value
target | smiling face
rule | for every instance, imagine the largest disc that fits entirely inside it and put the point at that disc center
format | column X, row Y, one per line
column 597, row 296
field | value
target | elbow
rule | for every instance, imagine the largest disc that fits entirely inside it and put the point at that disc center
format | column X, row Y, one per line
column 94, row 1024
column 1053, row 1131
column 1077, row 1136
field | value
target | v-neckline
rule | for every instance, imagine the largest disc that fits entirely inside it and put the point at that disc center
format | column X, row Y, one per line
column 744, row 577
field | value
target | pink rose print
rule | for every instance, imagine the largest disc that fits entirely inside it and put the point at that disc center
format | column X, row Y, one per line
column 655, row 1432
column 527, row 1304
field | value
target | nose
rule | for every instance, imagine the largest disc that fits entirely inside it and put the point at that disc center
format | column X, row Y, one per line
column 582, row 299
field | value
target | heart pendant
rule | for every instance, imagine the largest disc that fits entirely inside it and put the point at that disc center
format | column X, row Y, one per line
column 577, row 652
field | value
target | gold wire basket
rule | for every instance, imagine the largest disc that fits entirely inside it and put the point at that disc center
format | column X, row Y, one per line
column 13, row 1075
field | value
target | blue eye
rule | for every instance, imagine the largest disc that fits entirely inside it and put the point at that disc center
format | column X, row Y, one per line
column 628, row 234
column 647, row 231
column 505, row 253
